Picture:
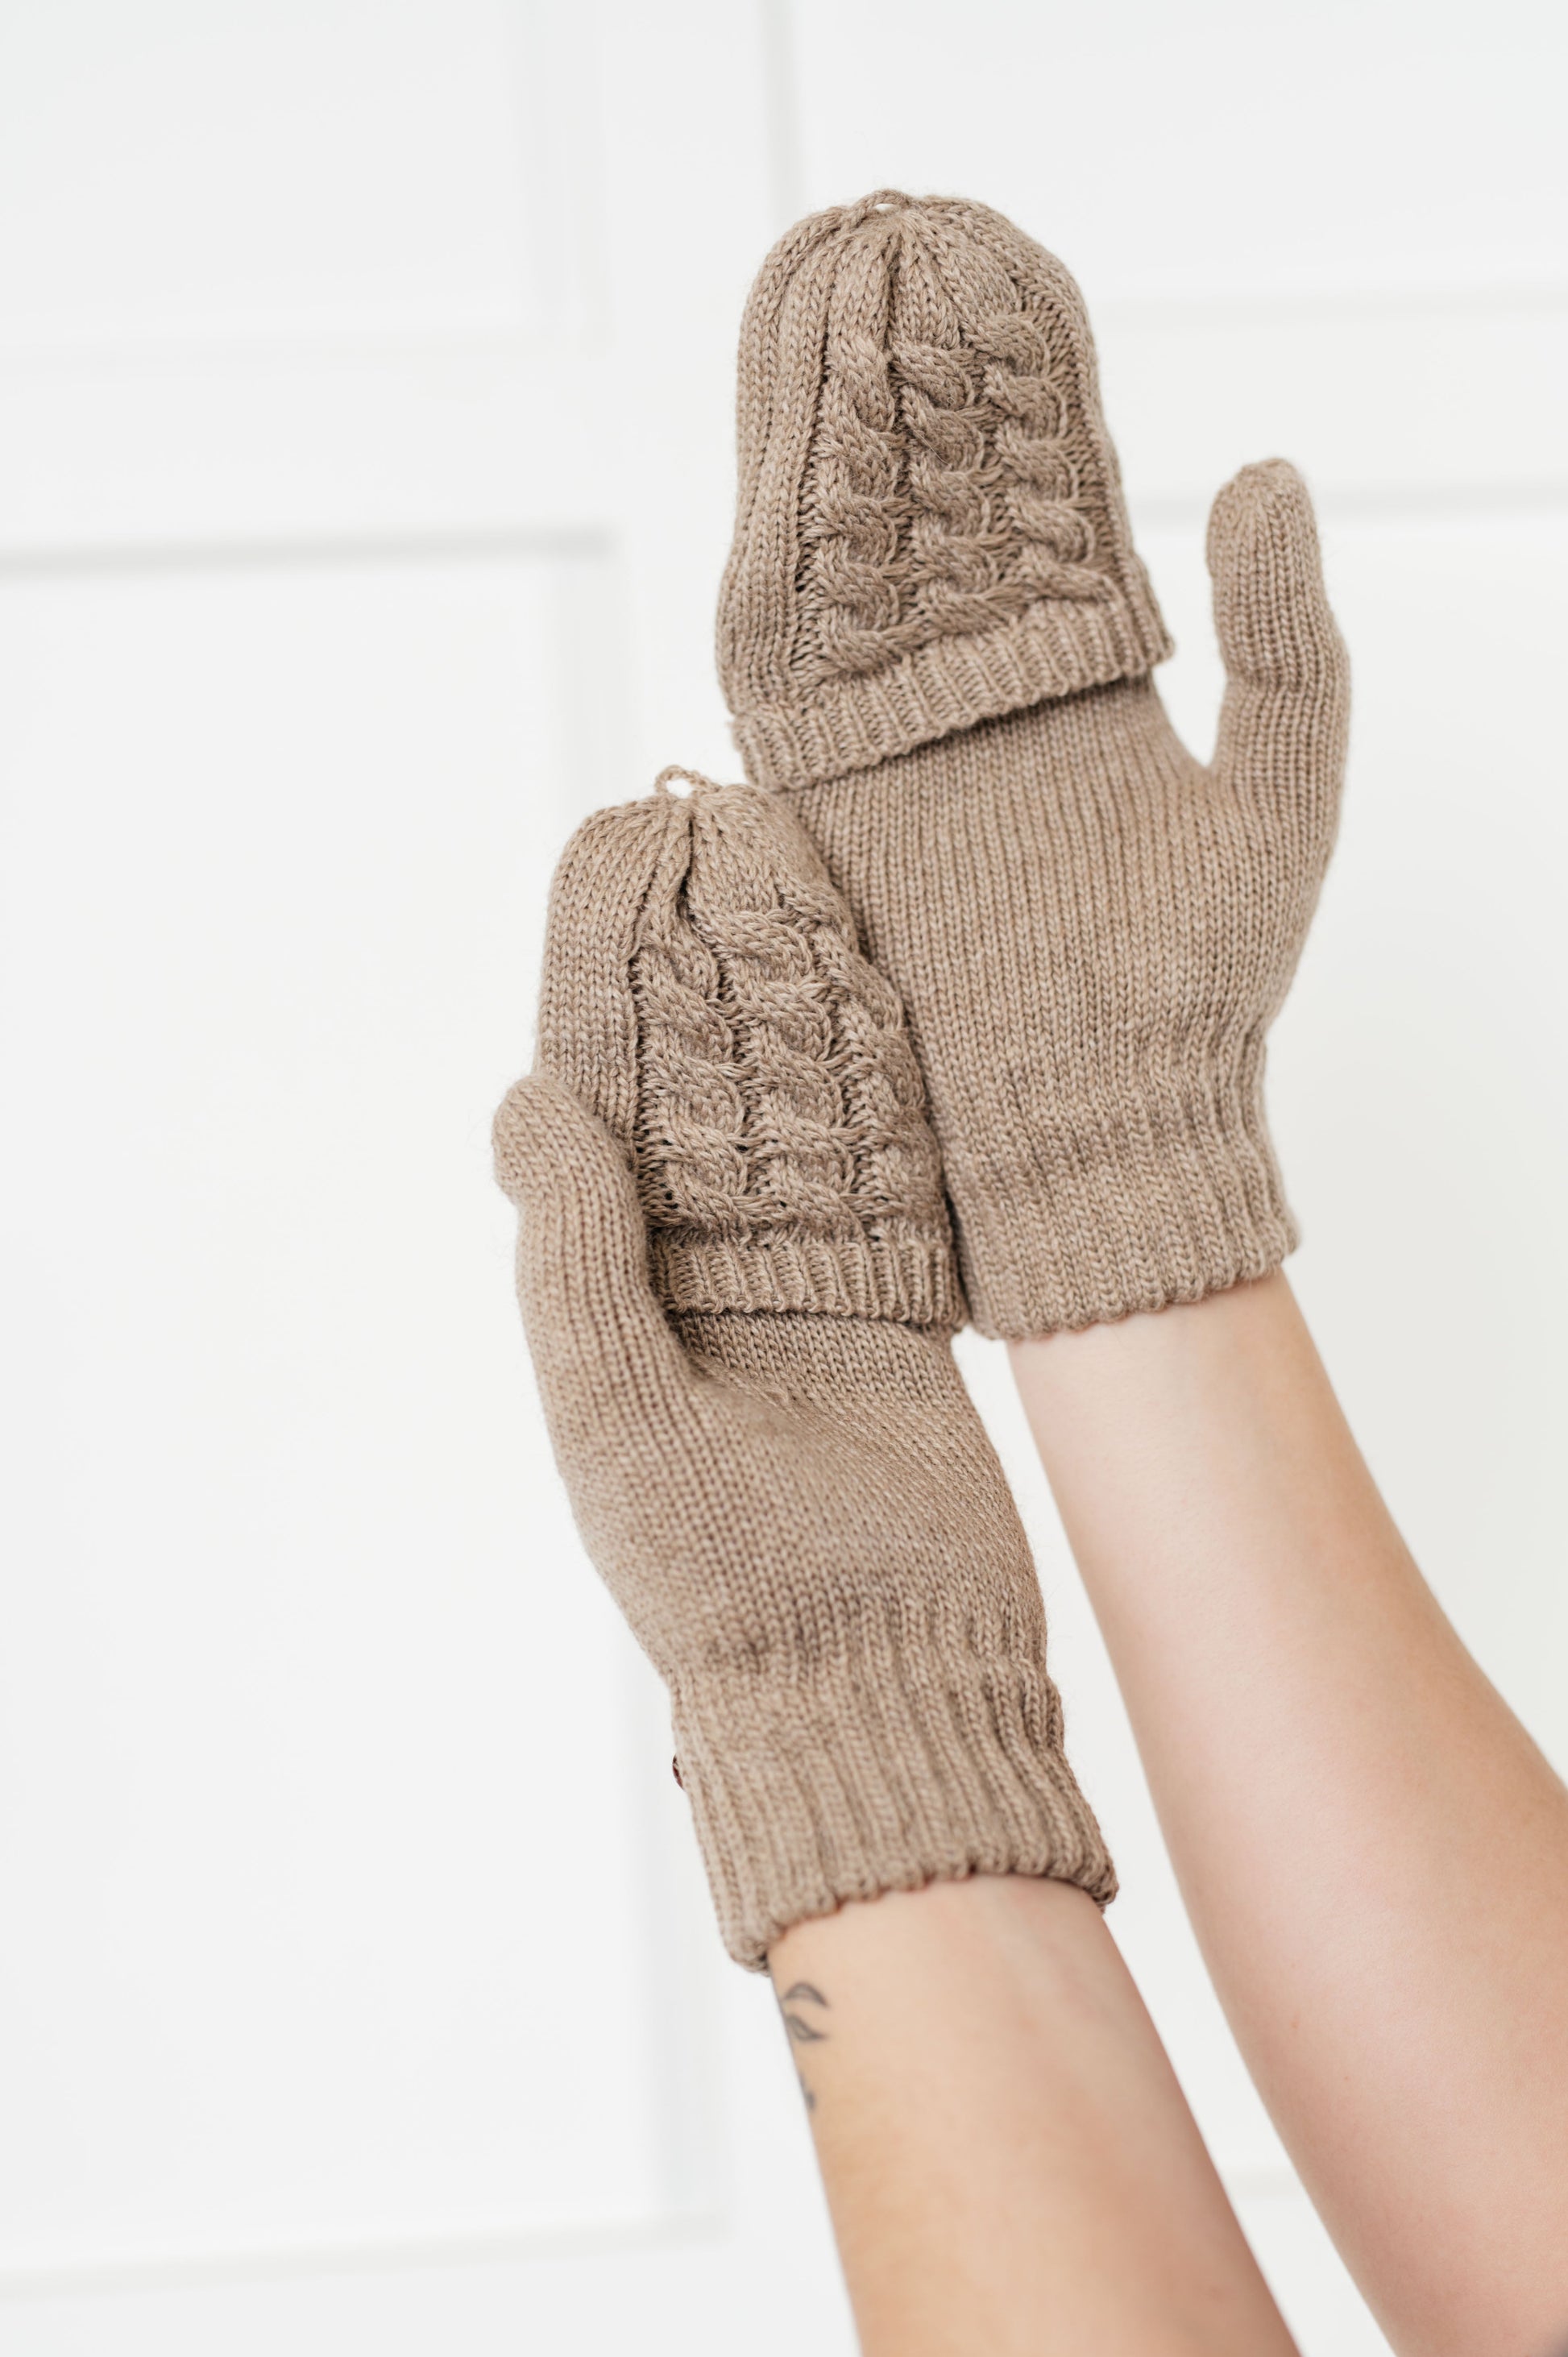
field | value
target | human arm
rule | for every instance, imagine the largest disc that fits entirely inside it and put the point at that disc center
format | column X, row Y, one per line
column 1009, row 2162
column 1373, row 1853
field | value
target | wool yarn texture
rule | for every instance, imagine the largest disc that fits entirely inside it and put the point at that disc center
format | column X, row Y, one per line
column 738, row 1284
column 935, row 635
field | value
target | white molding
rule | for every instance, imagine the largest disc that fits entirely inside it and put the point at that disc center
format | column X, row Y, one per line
column 1265, row 306
column 242, row 2262
column 1394, row 504
column 476, row 544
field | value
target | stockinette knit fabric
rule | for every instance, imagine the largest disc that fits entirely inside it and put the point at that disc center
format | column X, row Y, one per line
column 934, row 633
column 737, row 1281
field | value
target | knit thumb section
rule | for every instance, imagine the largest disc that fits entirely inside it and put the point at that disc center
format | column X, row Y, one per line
column 1271, row 608
column 593, row 1323
column 1283, row 724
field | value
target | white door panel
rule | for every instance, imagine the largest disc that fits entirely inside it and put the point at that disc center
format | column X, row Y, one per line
column 305, row 1649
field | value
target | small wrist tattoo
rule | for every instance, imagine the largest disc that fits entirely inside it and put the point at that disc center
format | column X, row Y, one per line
column 801, row 2006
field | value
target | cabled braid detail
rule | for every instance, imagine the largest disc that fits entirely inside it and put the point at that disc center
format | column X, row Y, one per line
column 930, row 529
column 856, row 522
column 946, row 493
column 781, row 1144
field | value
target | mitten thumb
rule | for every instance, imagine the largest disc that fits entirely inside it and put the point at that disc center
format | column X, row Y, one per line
column 601, row 1344
column 1283, row 725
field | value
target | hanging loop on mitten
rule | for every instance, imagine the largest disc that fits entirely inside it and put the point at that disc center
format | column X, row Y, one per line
column 694, row 778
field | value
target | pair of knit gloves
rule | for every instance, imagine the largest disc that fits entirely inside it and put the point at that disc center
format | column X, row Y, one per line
column 976, row 887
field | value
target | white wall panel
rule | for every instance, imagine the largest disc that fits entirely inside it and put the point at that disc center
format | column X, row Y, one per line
column 176, row 172
column 1392, row 407
column 310, row 1707
column 1215, row 148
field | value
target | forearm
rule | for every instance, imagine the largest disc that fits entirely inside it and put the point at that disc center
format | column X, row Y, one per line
column 1374, row 1854
column 1009, row 2162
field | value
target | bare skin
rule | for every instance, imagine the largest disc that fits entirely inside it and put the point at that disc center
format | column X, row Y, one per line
column 1011, row 2165
column 1373, row 1852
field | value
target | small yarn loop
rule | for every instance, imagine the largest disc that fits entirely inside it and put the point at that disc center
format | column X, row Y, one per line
column 693, row 778
column 881, row 200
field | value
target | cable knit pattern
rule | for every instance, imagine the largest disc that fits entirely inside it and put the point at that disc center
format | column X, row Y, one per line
column 931, row 530
column 706, row 994
column 736, row 1274
column 945, row 494
column 782, row 1149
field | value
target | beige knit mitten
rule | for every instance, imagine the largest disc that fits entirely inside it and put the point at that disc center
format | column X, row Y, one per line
column 934, row 632
column 739, row 1286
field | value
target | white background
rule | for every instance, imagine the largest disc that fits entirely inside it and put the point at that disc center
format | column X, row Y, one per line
column 365, row 468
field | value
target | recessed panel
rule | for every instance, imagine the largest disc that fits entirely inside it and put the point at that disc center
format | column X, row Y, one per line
column 176, row 171
column 326, row 1900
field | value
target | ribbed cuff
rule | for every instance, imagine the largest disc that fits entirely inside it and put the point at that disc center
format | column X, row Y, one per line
column 1139, row 1208
column 899, row 1271
column 880, row 1772
column 1052, row 648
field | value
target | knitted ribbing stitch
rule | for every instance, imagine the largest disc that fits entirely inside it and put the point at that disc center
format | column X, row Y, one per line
column 1091, row 932
column 796, row 1507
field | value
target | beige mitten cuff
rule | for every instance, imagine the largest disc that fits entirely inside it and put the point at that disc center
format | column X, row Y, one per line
column 1090, row 931
column 797, row 1508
